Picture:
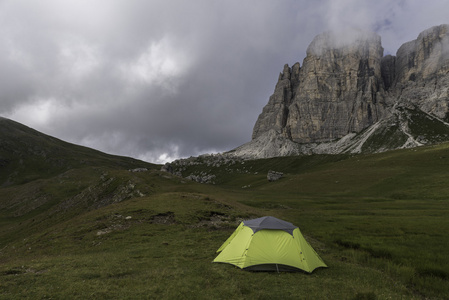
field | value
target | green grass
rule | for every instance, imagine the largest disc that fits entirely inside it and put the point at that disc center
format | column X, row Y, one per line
column 141, row 259
column 387, row 138
column 427, row 127
column 378, row 221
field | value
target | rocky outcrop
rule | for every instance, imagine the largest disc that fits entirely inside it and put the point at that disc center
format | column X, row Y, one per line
column 182, row 167
column 202, row 178
column 273, row 175
column 338, row 90
column 422, row 72
column 346, row 89
column 424, row 57
column 268, row 144
column 275, row 113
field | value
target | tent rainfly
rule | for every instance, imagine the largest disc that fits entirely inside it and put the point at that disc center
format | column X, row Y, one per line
column 269, row 244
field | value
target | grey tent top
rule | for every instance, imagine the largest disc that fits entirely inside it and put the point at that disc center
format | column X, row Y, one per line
column 269, row 223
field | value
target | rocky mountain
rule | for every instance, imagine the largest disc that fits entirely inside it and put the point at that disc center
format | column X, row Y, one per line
column 348, row 97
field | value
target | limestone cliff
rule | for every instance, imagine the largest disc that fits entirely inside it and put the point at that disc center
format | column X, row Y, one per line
column 348, row 97
column 422, row 72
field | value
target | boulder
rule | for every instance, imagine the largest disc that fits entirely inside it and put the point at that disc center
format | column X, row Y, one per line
column 273, row 175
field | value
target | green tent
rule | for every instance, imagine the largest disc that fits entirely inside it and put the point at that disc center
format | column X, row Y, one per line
column 269, row 244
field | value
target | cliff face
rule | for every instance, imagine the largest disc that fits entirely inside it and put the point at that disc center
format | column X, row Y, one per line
column 422, row 72
column 275, row 113
column 345, row 86
column 339, row 91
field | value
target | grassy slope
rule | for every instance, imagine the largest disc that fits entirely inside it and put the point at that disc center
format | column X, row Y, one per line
column 378, row 221
column 27, row 155
column 387, row 211
column 45, row 180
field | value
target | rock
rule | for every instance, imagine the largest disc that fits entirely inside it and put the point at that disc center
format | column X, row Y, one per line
column 425, row 56
column 203, row 178
column 167, row 168
column 273, row 175
column 268, row 144
column 422, row 72
column 275, row 113
column 346, row 89
column 388, row 70
column 338, row 90
column 139, row 170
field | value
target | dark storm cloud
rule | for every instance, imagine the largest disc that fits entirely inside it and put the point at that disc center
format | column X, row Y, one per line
column 158, row 80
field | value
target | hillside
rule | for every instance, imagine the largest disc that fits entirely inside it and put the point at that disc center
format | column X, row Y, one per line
column 46, row 180
column 26, row 154
column 91, row 228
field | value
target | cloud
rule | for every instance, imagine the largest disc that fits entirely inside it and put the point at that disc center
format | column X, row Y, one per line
column 158, row 80
column 159, row 63
column 78, row 58
column 395, row 21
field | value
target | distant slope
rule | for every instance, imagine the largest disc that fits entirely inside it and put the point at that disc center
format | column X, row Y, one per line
column 406, row 173
column 44, row 180
column 26, row 155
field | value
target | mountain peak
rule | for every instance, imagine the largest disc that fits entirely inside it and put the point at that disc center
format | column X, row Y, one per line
column 345, row 40
column 346, row 87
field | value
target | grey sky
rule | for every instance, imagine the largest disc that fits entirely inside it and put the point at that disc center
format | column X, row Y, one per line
column 159, row 80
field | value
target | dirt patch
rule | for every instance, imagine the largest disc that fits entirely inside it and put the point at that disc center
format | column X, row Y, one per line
column 21, row 270
column 112, row 228
column 167, row 218
column 217, row 220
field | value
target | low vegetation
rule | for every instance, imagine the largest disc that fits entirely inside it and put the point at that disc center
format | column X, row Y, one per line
column 100, row 231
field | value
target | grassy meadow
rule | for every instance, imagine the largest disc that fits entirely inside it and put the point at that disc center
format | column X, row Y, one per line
column 380, row 222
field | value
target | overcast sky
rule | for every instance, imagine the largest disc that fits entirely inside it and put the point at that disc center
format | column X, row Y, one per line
column 160, row 80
